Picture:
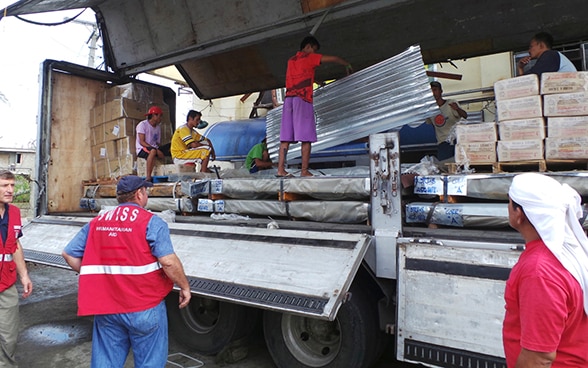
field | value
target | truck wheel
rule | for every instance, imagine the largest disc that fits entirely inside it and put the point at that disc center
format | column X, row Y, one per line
column 206, row 325
column 351, row 340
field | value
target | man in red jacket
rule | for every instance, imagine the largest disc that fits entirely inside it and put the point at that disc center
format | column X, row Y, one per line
column 11, row 263
column 127, row 266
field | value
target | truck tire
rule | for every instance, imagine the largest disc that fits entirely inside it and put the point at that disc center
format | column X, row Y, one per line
column 351, row 340
column 206, row 325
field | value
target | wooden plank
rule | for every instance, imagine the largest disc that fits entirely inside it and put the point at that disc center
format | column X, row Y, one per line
column 444, row 75
column 109, row 190
column 70, row 158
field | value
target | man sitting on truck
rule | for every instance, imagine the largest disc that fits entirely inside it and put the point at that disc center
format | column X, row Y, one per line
column 546, row 321
column 548, row 60
column 258, row 158
column 149, row 138
column 188, row 146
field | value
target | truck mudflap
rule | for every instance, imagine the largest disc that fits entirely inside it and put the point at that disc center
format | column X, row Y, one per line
column 451, row 302
column 300, row 272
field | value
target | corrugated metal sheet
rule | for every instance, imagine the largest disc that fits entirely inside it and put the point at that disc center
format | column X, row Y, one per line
column 380, row 98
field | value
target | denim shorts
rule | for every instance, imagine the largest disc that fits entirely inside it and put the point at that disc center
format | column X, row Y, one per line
column 144, row 332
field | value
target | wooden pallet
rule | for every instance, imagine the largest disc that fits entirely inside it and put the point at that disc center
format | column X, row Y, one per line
column 522, row 166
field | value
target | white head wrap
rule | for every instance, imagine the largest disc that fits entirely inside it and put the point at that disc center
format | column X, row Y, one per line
column 554, row 210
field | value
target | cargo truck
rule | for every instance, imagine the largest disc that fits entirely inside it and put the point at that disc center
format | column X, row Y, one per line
column 328, row 294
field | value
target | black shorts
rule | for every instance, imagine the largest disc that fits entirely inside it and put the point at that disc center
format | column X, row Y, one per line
column 144, row 152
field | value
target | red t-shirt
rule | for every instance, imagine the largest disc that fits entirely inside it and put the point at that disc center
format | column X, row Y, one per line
column 544, row 310
column 300, row 75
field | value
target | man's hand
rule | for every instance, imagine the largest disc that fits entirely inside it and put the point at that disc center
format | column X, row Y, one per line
column 185, row 296
column 27, row 285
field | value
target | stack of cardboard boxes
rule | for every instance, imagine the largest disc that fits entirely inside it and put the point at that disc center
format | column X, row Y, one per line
column 565, row 102
column 113, row 124
column 476, row 143
column 521, row 125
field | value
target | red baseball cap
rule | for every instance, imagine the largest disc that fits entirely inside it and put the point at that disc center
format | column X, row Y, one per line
column 154, row 110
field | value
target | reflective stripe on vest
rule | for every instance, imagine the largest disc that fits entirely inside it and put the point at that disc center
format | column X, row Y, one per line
column 7, row 258
column 119, row 270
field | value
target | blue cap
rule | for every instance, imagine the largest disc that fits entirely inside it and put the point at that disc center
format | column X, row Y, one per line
column 130, row 183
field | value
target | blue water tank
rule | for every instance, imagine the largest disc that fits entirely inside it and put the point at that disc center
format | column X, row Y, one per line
column 232, row 140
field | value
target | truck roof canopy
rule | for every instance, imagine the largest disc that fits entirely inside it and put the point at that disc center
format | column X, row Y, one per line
column 224, row 48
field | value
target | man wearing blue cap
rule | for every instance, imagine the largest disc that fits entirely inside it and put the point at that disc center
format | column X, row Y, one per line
column 127, row 266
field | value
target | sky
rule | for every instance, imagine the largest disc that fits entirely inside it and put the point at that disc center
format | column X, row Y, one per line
column 23, row 49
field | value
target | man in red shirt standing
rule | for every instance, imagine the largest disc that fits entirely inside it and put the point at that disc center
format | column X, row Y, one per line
column 545, row 324
column 298, row 123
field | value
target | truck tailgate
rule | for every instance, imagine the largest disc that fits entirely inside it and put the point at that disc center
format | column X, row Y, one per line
column 451, row 303
column 295, row 271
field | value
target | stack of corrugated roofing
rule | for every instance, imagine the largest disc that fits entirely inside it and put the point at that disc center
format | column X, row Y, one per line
column 382, row 97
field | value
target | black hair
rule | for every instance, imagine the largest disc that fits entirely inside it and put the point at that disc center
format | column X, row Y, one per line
column 193, row 114
column 545, row 38
column 310, row 40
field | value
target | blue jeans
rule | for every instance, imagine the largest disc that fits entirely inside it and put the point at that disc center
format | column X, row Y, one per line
column 145, row 332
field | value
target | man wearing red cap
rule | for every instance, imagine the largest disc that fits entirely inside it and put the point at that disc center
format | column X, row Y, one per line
column 149, row 139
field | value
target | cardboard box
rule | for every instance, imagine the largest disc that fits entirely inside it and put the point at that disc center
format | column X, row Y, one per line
column 567, row 127
column 566, row 148
column 524, row 150
column 519, row 108
column 566, row 104
column 526, row 85
column 475, row 152
column 160, row 169
column 123, row 165
column 523, row 129
column 101, row 168
column 104, row 150
column 481, row 132
column 124, row 108
column 148, row 94
column 119, row 128
column 564, row 82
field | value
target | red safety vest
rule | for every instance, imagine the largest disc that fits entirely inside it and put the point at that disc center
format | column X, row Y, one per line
column 8, row 268
column 118, row 273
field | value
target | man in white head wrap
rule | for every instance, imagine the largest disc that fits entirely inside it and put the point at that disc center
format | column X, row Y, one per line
column 546, row 324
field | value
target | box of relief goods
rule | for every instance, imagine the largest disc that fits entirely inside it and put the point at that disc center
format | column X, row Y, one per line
column 564, row 82
column 104, row 150
column 566, row 148
column 124, row 107
column 119, row 128
column 513, row 130
column 122, row 165
column 101, row 168
column 519, row 108
column 133, row 91
column 475, row 152
column 480, row 132
column 567, row 127
column 526, row 85
column 523, row 150
column 566, row 104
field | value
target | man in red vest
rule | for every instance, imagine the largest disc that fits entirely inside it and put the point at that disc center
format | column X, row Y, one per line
column 11, row 263
column 127, row 266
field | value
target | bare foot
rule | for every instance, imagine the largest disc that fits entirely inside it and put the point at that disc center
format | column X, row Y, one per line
column 305, row 173
column 283, row 173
